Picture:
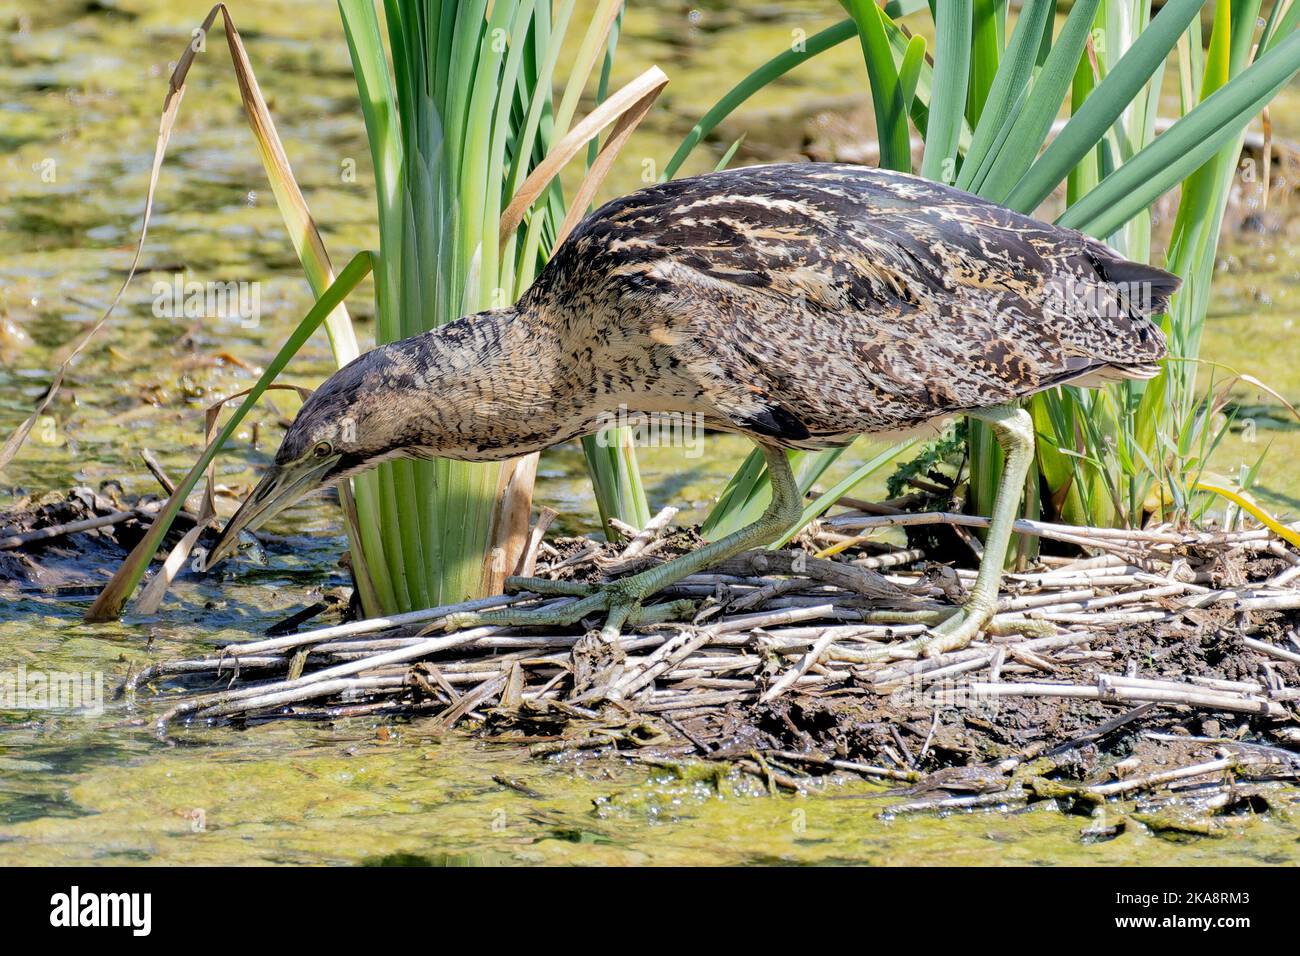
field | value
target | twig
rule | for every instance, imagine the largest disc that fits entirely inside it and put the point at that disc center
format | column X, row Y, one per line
column 1190, row 695
column 648, row 533
column 1101, row 730
column 71, row 527
column 1270, row 650
column 866, row 770
column 157, row 471
column 527, row 564
column 1154, row 780
column 786, row 681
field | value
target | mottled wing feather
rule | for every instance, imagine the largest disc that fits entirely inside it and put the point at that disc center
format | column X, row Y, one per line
column 809, row 303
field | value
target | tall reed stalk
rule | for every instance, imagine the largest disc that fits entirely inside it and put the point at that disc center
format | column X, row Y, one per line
column 459, row 110
column 467, row 139
column 1130, row 449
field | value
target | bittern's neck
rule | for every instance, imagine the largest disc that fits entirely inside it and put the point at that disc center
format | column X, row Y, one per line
column 489, row 386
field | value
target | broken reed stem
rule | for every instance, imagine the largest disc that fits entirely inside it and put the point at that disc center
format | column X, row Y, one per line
column 851, row 766
column 787, row 680
column 651, row 531
column 1156, row 779
column 1096, row 537
column 1113, row 688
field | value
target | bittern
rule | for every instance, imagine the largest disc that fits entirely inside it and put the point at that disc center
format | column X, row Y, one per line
column 801, row 305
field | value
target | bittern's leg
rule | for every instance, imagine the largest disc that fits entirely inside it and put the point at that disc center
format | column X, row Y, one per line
column 621, row 599
column 1014, row 430
column 781, row 514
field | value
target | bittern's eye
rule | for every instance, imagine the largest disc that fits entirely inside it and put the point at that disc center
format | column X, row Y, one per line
column 323, row 449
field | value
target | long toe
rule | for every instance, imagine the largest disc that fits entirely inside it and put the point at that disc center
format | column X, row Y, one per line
column 619, row 612
column 959, row 630
column 555, row 614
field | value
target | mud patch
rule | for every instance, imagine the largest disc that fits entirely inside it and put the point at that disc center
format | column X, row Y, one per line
column 46, row 544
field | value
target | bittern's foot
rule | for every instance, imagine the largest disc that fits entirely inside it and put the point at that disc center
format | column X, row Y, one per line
column 953, row 630
column 959, row 629
column 619, row 600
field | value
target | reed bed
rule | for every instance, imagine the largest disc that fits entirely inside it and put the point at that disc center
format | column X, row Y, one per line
column 788, row 639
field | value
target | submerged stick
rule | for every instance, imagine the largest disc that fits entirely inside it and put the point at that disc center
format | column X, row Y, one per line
column 1154, row 780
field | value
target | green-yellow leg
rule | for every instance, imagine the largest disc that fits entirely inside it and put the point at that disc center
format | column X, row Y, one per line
column 621, row 599
column 1014, row 430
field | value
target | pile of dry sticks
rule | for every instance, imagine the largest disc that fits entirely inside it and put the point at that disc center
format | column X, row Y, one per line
column 773, row 626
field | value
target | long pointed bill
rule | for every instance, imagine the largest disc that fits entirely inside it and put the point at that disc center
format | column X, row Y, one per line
column 279, row 488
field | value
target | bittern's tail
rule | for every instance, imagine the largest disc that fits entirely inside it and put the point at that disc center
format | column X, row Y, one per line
column 1144, row 289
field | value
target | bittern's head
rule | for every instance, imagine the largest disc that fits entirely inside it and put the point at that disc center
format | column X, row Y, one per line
column 365, row 413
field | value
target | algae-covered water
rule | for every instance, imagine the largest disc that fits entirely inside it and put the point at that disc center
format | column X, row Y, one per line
column 82, row 85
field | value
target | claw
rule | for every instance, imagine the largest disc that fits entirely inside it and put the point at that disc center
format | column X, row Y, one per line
column 618, row 609
column 459, row 621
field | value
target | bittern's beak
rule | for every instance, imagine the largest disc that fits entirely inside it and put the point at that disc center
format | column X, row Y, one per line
column 279, row 488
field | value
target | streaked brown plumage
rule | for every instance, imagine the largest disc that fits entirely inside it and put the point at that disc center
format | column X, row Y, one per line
column 808, row 304
column 802, row 305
